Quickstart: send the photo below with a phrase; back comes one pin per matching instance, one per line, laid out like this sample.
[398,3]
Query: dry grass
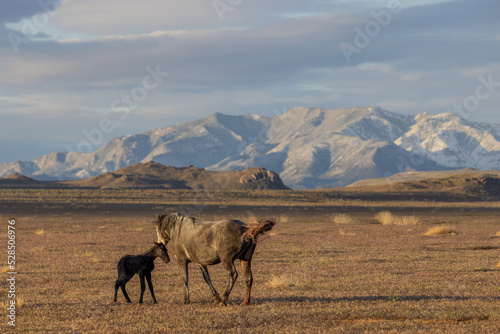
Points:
[387,218]
[40,231]
[497,234]
[20,303]
[306,278]
[342,218]
[441,230]
[343,232]
[280,282]
[284,219]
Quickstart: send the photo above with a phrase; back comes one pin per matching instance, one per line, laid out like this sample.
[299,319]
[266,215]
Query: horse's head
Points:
[161,252]
[160,230]
[166,224]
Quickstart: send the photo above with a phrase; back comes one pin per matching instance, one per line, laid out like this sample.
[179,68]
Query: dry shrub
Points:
[387,218]
[19,302]
[408,220]
[40,231]
[440,230]
[279,282]
[283,219]
[342,218]
[286,281]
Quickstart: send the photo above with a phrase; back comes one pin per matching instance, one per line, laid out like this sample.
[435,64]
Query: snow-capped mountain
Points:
[308,147]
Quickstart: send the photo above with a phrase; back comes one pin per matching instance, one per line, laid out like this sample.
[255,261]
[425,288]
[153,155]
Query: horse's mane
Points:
[166,222]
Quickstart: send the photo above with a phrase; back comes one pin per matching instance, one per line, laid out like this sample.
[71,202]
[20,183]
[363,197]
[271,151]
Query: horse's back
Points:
[205,242]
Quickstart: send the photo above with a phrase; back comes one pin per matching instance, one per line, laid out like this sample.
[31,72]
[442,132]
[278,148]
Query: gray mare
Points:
[211,242]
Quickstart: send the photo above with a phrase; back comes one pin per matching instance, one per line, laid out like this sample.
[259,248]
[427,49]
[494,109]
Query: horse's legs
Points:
[183,264]
[233,275]
[143,286]
[247,273]
[206,276]
[150,284]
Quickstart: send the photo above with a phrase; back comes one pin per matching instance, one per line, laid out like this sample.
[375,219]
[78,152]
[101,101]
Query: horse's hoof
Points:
[245,303]
[129,301]
[222,304]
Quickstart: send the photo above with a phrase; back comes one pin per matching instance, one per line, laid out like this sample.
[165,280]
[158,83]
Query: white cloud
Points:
[263,55]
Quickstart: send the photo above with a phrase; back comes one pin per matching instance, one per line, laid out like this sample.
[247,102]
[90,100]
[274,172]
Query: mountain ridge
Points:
[308,147]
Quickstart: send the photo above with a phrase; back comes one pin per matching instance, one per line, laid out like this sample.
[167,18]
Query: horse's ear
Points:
[158,217]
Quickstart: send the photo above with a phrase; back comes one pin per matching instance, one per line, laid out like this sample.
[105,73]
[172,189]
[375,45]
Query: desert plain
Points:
[331,264]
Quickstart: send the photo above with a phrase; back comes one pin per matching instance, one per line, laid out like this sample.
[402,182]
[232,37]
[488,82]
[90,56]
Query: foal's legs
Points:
[206,276]
[120,283]
[143,286]
[233,275]
[117,286]
[247,273]
[150,284]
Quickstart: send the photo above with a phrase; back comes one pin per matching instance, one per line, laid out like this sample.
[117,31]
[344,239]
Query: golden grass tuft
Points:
[343,232]
[387,218]
[20,302]
[283,219]
[342,218]
[40,231]
[497,234]
[440,230]
[498,264]
[280,282]
[285,281]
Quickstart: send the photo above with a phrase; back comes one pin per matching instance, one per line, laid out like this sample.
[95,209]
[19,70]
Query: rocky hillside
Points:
[154,175]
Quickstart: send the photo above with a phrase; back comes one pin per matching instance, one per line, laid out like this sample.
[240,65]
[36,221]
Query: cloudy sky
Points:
[70,67]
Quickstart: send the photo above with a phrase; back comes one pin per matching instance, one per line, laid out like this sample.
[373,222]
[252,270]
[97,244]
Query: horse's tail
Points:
[265,225]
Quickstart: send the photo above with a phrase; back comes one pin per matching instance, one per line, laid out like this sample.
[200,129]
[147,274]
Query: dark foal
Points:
[142,264]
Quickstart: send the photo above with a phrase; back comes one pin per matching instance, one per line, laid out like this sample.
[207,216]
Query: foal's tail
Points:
[265,225]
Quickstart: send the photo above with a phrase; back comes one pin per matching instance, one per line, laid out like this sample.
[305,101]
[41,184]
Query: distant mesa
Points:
[156,175]
[18,180]
[153,175]
[20,177]
[466,184]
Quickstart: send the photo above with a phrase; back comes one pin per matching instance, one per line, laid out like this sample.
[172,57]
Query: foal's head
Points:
[161,251]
